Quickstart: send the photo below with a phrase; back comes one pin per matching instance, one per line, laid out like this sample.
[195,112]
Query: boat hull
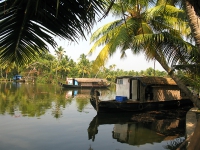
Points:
[128,106]
[78,86]
[19,80]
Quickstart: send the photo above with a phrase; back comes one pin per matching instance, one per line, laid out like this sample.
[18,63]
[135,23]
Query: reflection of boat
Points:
[142,94]
[85,83]
[17,84]
[71,93]
[81,93]
[158,127]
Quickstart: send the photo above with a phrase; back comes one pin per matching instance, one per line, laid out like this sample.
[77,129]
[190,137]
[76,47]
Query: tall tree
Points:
[84,65]
[60,53]
[159,32]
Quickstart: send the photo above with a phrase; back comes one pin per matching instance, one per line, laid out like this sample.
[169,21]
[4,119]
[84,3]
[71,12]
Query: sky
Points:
[131,62]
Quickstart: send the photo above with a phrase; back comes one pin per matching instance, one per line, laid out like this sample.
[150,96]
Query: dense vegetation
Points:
[48,68]
[168,32]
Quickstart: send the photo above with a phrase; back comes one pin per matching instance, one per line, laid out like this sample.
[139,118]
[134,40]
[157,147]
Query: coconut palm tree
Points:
[159,32]
[60,53]
[84,65]
[27,26]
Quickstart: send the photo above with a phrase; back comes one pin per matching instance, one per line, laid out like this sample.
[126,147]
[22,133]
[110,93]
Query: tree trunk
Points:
[181,85]
[194,141]
[195,28]
[193,97]
[193,21]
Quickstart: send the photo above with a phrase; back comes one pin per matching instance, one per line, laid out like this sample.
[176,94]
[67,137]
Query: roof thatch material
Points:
[157,81]
[90,80]
[152,80]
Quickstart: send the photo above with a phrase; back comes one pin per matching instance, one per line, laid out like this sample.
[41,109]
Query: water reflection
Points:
[142,128]
[32,100]
[63,117]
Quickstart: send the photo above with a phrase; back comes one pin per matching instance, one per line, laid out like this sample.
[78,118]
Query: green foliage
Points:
[47,69]
[32,100]
[27,26]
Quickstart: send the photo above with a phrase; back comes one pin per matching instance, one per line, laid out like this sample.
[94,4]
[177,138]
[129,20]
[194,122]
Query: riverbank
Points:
[193,129]
[6,80]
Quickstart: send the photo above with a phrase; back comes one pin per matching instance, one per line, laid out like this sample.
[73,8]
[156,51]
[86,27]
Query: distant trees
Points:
[50,69]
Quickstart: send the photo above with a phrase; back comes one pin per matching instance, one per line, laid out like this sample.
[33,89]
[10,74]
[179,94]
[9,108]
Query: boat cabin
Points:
[17,77]
[87,82]
[148,89]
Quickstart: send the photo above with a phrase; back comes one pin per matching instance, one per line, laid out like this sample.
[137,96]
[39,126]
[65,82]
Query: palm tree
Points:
[158,32]
[27,26]
[60,53]
[84,65]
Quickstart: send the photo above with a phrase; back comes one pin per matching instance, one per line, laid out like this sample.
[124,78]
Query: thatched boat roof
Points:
[152,80]
[157,81]
[91,80]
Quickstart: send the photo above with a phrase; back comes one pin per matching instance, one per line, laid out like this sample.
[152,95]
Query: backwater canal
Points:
[46,117]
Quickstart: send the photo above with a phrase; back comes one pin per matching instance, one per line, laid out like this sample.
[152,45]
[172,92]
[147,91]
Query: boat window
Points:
[119,81]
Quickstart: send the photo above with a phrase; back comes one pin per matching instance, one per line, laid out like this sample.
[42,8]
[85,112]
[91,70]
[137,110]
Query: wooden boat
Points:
[18,78]
[135,94]
[85,83]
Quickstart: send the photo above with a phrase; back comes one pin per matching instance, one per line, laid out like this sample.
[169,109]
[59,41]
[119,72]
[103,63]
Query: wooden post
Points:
[97,104]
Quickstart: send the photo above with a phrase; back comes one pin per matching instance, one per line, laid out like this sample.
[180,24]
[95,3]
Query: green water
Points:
[47,117]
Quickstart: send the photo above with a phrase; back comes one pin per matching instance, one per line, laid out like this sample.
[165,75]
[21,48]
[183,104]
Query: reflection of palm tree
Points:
[30,101]
[172,145]
[90,148]
[57,112]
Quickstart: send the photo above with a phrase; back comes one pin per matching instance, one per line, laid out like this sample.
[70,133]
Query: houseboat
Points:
[85,83]
[142,94]
[18,78]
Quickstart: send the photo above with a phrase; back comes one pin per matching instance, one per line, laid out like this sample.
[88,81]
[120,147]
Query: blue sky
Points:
[131,62]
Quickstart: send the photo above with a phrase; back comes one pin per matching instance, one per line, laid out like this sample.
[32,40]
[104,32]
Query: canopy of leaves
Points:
[157,31]
[26,26]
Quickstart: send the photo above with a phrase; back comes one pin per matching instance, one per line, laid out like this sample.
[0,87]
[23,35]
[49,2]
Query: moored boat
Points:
[18,78]
[85,83]
[135,94]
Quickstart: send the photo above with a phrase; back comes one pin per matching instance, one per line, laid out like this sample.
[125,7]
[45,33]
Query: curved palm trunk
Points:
[194,25]
[194,21]
[181,85]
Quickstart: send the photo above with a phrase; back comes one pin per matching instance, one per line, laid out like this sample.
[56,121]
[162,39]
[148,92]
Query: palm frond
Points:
[105,29]
[28,23]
